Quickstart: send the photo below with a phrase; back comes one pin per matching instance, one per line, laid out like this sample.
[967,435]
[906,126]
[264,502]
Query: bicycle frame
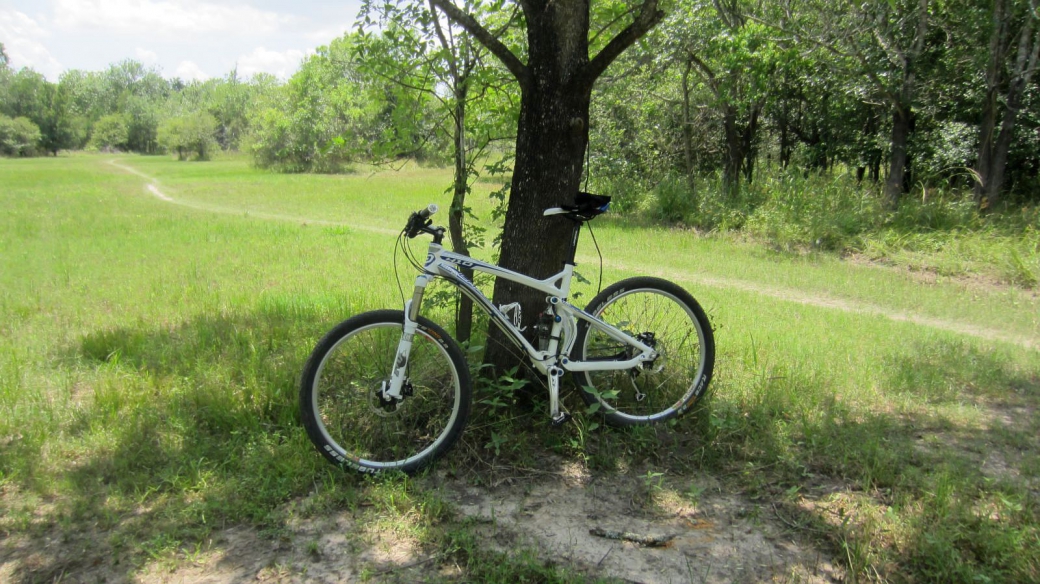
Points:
[554,360]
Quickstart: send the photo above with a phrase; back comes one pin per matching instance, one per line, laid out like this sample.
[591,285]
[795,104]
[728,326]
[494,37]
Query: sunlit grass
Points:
[150,355]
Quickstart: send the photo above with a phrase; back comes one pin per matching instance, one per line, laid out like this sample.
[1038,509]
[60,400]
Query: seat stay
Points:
[646,353]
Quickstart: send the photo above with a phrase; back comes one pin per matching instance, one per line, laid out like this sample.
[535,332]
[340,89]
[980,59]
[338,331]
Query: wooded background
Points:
[919,96]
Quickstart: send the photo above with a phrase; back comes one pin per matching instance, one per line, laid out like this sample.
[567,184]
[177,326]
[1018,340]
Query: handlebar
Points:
[419,222]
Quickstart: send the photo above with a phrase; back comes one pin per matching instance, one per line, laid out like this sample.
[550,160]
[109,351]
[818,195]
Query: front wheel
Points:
[663,316]
[341,394]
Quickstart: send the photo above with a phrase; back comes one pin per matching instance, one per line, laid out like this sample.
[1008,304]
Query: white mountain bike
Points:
[389,389]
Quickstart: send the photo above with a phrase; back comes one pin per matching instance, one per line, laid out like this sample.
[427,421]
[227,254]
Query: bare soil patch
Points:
[713,537]
[716,538]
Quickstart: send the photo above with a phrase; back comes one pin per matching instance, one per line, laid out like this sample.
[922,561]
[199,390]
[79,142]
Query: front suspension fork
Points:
[393,389]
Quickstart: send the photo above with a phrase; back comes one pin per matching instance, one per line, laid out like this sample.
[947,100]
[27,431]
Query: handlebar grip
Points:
[430,210]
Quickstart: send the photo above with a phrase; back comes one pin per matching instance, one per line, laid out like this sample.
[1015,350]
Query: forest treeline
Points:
[901,96]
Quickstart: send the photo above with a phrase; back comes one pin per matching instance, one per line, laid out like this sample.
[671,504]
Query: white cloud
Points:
[167,17]
[145,56]
[189,71]
[281,64]
[22,37]
[328,34]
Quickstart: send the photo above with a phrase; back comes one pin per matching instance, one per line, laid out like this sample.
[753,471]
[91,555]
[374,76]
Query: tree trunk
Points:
[993,153]
[750,144]
[988,122]
[552,135]
[901,119]
[734,151]
[457,213]
[902,112]
[688,128]
[740,138]
[1007,127]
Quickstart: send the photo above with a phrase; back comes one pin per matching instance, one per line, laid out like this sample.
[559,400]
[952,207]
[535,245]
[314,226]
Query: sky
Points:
[189,39]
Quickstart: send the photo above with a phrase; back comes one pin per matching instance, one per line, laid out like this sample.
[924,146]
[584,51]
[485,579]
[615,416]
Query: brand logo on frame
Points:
[459,262]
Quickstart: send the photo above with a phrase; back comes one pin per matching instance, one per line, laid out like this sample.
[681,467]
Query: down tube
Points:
[474,294]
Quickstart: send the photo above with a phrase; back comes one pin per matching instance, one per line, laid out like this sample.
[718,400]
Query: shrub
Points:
[626,194]
[674,200]
[824,212]
[192,134]
[110,133]
[18,137]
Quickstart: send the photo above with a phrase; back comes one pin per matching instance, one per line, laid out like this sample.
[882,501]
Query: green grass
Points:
[150,354]
[936,233]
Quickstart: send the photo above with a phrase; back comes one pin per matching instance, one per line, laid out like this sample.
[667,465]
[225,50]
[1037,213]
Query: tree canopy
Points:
[905,94]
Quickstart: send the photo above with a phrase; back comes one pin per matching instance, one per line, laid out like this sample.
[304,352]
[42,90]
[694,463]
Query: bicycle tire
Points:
[681,334]
[339,395]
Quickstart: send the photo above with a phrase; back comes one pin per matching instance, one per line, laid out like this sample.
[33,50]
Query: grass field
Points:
[150,351]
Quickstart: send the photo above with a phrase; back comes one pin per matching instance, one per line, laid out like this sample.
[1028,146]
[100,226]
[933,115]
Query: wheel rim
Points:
[349,415]
[670,380]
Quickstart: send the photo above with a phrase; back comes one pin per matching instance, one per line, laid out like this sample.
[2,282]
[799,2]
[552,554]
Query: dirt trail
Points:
[783,294]
[153,187]
[829,302]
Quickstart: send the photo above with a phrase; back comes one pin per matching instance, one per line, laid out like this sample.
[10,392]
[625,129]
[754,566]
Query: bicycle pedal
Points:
[562,419]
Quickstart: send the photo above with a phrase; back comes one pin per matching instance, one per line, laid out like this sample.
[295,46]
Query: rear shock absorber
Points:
[543,328]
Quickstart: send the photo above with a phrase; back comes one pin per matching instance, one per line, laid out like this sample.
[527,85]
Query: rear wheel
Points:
[341,394]
[665,317]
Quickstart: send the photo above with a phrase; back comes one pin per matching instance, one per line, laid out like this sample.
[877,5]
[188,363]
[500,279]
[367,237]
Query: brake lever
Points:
[416,223]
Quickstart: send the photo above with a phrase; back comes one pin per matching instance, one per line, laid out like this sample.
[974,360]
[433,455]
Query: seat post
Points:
[573,251]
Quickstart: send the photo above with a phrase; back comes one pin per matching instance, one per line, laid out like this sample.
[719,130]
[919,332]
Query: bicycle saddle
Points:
[585,207]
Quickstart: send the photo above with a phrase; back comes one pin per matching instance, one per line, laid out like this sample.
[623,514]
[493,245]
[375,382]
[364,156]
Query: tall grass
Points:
[938,231]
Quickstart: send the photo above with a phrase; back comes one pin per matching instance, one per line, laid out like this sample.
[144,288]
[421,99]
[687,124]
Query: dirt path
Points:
[832,303]
[782,294]
[153,187]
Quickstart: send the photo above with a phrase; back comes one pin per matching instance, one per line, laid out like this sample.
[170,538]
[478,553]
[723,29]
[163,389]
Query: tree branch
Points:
[448,47]
[922,31]
[602,30]
[490,41]
[705,72]
[856,54]
[648,17]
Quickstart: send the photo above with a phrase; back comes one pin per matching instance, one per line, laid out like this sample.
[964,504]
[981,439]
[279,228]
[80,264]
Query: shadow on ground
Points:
[182,432]
[171,433]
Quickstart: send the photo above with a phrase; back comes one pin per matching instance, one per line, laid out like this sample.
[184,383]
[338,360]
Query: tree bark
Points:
[902,112]
[993,152]
[988,121]
[741,136]
[734,153]
[552,135]
[750,143]
[894,184]
[457,213]
[1016,93]
[460,79]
